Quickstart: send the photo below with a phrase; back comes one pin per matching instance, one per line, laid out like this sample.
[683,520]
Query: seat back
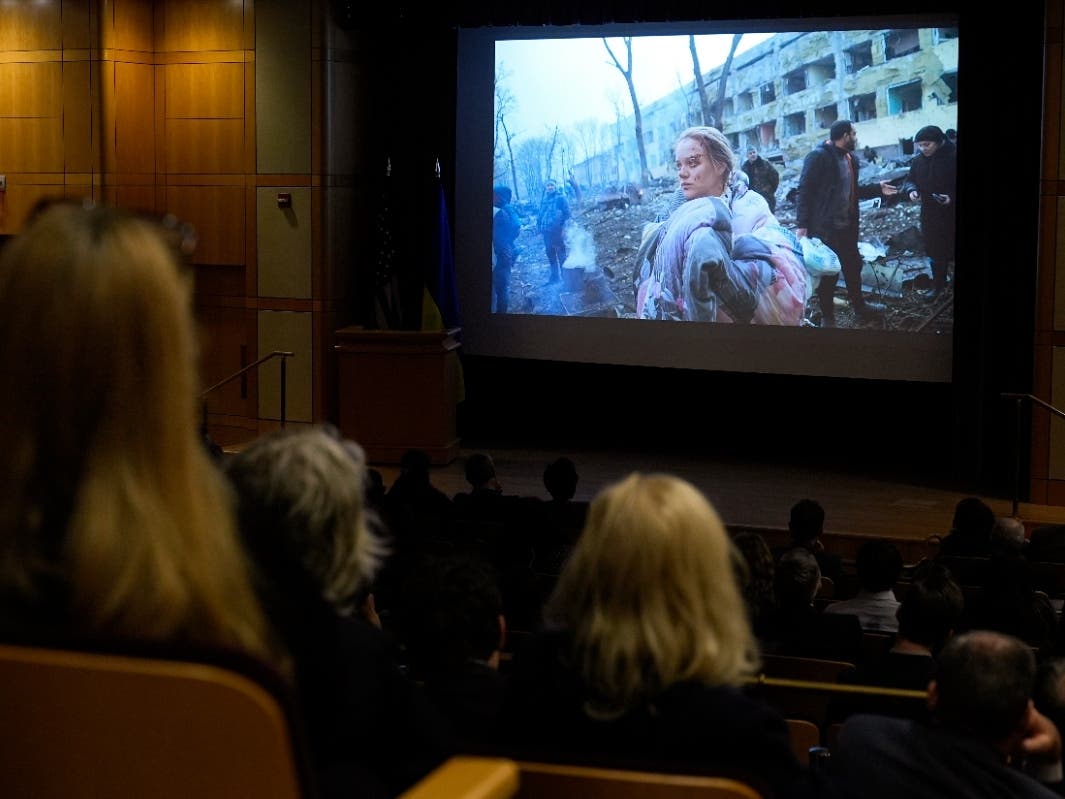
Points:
[800,701]
[554,781]
[803,735]
[78,724]
[464,777]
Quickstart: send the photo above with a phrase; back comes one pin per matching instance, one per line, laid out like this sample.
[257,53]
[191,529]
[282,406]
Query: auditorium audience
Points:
[928,615]
[115,526]
[879,565]
[561,518]
[303,519]
[985,734]
[647,648]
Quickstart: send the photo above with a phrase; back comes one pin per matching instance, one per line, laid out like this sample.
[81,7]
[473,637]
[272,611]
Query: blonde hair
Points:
[715,146]
[650,595]
[301,505]
[108,490]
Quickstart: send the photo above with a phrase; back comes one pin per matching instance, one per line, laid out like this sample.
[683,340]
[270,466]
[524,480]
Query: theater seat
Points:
[78,725]
[553,781]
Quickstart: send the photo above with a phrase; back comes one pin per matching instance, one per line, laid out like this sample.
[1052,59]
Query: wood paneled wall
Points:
[152,105]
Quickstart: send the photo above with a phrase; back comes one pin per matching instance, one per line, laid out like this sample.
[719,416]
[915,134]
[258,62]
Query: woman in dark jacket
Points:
[648,648]
[932,180]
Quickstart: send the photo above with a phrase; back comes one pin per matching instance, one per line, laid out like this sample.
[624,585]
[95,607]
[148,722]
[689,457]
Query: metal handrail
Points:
[282,354]
[1017,444]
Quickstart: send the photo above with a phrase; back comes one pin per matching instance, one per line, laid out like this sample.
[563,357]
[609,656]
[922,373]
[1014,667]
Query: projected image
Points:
[786,179]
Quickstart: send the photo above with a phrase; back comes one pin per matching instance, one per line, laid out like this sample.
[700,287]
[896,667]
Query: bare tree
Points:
[700,84]
[504,104]
[626,71]
[719,106]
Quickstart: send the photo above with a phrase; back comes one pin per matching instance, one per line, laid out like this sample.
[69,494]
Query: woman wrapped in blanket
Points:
[721,255]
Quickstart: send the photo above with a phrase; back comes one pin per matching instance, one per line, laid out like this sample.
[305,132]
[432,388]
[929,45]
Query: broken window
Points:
[729,108]
[795,81]
[951,80]
[904,97]
[863,107]
[768,93]
[794,124]
[826,115]
[744,101]
[900,42]
[821,72]
[943,34]
[733,140]
[858,57]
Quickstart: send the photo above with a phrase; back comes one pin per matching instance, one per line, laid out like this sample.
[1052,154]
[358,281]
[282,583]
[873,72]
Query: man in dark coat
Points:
[828,209]
[932,180]
[984,725]
[762,176]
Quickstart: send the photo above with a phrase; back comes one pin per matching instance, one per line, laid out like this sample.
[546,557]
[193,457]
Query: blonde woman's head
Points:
[108,488]
[650,594]
[704,162]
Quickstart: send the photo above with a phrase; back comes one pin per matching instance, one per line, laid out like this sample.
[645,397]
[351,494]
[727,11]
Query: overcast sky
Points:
[564,81]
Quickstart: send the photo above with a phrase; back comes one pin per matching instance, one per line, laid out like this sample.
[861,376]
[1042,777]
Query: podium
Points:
[398,391]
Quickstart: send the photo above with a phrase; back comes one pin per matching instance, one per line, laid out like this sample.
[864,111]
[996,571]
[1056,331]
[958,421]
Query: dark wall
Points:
[961,435]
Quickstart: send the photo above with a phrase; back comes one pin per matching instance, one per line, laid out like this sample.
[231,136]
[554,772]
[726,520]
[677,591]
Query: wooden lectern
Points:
[398,391]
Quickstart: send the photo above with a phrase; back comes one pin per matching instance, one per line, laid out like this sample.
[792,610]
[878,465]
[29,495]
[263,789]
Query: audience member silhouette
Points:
[799,629]
[970,530]
[303,519]
[879,565]
[647,648]
[984,720]
[806,524]
[1047,544]
[757,577]
[115,526]
[452,625]
[563,517]
[1007,537]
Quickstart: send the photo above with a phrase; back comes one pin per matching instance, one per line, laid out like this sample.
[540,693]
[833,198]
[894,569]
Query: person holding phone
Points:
[931,182]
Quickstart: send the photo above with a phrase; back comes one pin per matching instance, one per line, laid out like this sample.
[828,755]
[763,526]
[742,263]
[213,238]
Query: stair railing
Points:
[1018,399]
[282,354]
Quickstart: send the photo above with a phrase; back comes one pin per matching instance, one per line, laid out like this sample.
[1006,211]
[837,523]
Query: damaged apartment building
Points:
[783,94]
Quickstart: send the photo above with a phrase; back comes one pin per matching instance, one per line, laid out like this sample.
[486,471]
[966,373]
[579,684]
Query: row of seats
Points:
[81,724]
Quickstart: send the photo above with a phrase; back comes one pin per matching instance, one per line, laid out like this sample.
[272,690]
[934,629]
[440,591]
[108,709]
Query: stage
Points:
[749,494]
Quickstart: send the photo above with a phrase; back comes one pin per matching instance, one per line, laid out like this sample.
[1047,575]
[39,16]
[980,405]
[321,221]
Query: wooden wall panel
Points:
[31,26]
[223,338]
[204,146]
[134,118]
[32,145]
[214,91]
[199,25]
[31,89]
[218,213]
[80,121]
[133,26]
[79,24]
[19,199]
[138,198]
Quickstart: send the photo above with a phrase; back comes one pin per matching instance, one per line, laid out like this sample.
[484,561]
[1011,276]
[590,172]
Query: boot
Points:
[866,309]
